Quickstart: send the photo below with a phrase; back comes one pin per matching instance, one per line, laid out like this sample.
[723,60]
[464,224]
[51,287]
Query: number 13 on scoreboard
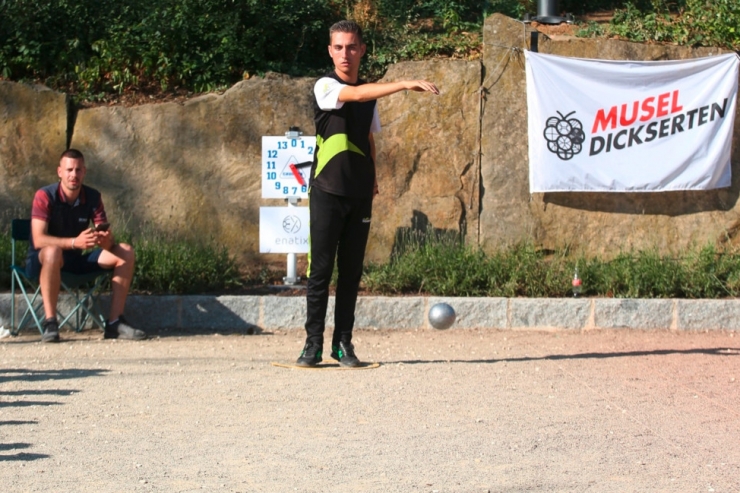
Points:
[282,173]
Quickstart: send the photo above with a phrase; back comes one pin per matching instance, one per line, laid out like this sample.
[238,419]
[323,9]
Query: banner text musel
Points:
[659,129]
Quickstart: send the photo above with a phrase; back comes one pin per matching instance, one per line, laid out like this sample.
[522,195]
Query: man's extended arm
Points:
[375,90]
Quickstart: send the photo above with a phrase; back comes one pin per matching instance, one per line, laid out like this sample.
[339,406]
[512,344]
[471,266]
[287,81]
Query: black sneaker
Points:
[121,330]
[51,330]
[345,354]
[310,356]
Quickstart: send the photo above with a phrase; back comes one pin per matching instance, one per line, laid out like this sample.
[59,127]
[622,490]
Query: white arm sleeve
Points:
[326,91]
[375,125]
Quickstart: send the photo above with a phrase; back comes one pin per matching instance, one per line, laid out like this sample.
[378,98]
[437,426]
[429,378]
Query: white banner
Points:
[627,126]
[284,229]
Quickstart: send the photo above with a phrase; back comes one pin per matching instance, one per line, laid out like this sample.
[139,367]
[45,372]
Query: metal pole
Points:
[292,277]
[547,8]
[547,13]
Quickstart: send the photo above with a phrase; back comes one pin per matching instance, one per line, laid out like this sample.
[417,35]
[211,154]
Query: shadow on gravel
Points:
[23,456]
[248,331]
[25,375]
[42,375]
[29,404]
[39,392]
[13,446]
[628,354]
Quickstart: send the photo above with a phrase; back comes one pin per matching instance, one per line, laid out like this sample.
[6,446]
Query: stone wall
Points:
[427,156]
[33,133]
[192,168]
[195,168]
[455,162]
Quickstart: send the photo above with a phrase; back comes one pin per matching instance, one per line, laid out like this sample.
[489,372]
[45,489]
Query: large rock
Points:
[427,156]
[193,169]
[33,133]
[591,222]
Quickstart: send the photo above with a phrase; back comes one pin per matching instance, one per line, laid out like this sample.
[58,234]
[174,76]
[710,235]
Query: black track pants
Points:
[339,229]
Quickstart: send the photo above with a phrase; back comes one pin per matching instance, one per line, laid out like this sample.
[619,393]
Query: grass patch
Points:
[447,267]
[5,258]
[165,264]
[172,265]
[442,265]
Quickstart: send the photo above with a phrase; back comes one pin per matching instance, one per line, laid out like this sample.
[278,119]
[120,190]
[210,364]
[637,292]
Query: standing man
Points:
[341,190]
[60,230]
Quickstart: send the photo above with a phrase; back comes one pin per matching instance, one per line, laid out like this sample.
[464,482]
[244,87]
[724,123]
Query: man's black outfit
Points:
[341,195]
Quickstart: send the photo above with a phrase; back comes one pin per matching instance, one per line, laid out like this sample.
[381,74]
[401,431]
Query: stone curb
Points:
[379,312]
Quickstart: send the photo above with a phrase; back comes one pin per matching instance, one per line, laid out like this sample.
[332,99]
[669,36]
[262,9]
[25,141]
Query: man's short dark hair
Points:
[72,154]
[346,27]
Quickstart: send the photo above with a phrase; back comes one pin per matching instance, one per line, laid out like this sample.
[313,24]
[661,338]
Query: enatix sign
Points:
[625,126]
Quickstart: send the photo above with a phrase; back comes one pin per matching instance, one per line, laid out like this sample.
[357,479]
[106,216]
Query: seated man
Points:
[60,231]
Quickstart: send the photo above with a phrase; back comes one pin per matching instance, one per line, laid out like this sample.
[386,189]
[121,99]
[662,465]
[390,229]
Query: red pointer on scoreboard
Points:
[297,174]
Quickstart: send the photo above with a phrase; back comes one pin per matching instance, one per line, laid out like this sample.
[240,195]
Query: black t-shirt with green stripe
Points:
[342,163]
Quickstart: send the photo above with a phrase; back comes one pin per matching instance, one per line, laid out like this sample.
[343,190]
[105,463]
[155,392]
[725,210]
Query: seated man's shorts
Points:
[74,263]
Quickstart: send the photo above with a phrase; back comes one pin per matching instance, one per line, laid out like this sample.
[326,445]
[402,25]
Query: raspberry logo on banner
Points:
[564,136]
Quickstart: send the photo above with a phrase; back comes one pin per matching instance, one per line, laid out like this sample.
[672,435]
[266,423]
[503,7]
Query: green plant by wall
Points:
[440,265]
[5,258]
[164,264]
[103,46]
[686,22]
[95,48]
[450,268]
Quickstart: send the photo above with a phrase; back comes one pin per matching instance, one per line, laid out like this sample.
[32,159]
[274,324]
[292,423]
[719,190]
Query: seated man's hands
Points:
[104,239]
[91,239]
[86,239]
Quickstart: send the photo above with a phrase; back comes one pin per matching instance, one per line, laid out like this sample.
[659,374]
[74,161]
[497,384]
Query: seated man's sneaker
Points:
[51,330]
[121,330]
[345,354]
[310,356]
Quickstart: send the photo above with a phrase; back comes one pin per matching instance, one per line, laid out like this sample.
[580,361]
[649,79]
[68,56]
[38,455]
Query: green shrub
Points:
[94,48]
[99,47]
[166,264]
[5,258]
[440,264]
[686,22]
[103,46]
[450,268]
[655,24]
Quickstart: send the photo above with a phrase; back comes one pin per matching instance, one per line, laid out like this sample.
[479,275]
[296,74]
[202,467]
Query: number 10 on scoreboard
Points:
[286,166]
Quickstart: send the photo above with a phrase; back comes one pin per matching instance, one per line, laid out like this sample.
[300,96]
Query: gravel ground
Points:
[454,411]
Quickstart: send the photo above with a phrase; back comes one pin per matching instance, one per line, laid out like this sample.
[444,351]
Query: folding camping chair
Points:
[84,291]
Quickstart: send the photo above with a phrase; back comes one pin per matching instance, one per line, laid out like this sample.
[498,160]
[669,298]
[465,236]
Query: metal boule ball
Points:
[441,316]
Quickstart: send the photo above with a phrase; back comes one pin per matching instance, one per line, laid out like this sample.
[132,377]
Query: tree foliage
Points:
[112,46]
[100,47]
[685,22]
